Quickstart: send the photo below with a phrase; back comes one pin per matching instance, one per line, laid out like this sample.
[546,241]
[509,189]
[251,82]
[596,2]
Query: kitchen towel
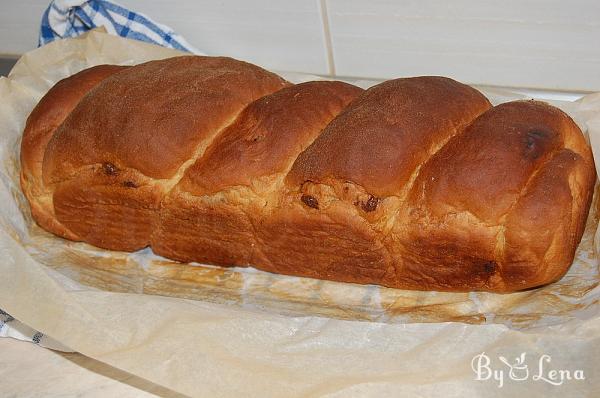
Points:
[70,18]
[10,327]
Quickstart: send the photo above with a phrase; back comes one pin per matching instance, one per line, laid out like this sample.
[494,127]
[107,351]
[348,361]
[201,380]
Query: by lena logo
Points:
[518,370]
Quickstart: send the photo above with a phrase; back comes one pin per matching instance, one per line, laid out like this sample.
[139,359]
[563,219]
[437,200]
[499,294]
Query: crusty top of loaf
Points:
[493,159]
[170,106]
[380,138]
[268,135]
[52,110]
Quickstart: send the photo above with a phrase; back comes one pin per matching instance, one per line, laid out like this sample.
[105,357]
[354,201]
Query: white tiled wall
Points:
[543,44]
[549,44]
[20,24]
[280,34]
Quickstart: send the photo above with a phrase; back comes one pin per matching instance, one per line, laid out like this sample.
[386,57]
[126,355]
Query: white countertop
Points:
[28,370]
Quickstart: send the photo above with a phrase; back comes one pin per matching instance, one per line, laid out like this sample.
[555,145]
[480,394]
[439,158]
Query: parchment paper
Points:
[210,331]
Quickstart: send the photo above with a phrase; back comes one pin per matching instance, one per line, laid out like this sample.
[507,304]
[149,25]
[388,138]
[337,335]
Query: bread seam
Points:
[501,238]
[458,130]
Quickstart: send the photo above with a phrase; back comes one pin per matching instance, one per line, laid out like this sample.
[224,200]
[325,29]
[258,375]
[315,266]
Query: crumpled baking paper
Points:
[210,331]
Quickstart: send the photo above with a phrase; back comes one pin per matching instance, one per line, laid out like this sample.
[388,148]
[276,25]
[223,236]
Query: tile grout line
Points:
[327,36]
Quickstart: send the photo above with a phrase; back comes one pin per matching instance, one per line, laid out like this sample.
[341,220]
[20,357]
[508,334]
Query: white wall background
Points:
[550,44]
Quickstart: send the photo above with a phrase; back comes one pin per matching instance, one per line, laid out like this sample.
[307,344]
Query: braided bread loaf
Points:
[415,183]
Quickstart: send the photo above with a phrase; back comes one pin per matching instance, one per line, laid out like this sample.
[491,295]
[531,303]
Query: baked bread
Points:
[415,183]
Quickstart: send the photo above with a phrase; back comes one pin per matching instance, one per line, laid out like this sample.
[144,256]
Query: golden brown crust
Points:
[415,183]
[171,106]
[335,244]
[268,135]
[381,138]
[484,170]
[538,248]
[213,217]
[471,198]
[113,210]
[207,231]
[41,124]
[110,169]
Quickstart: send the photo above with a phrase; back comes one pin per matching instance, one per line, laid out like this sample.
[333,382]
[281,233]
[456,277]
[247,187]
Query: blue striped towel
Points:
[70,18]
